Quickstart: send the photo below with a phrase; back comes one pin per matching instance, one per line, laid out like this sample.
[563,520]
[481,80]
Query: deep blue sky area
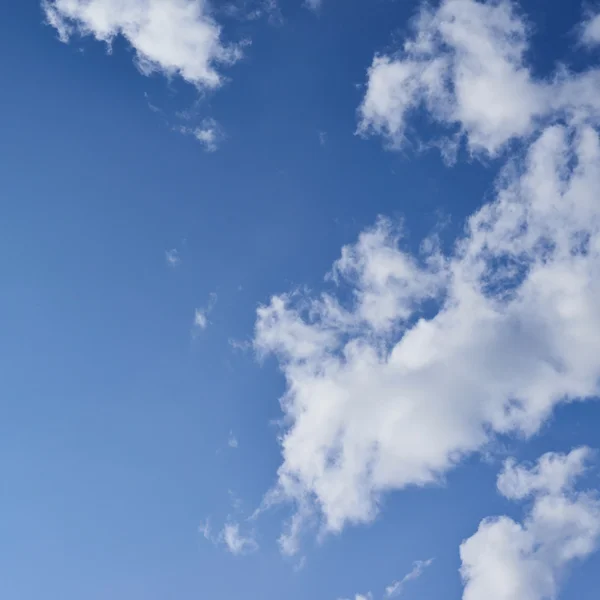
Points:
[115,412]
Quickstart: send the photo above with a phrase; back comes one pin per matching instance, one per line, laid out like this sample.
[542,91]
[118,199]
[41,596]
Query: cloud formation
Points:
[395,589]
[465,65]
[313,4]
[591,31]
[380,396]
[172,257]
[413,362]
[173,37]
[504,560]
[201,314]
[231,537]
[235,542]
[232,441]
[209,134]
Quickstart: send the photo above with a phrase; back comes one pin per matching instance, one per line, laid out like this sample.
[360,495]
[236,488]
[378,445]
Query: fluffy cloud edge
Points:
[179,37]
[505,559]
[379,394]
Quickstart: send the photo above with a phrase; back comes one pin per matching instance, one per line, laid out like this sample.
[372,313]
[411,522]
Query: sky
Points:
[300,299]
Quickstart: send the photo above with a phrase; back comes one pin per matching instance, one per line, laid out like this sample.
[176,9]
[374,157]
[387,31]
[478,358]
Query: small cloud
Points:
[235,542]
[322,137]
[204,529]
[244,10]
[590,35]
[242,346]
[172,257]
[396,588]
[232,441]
[201,314]
[200,319]
[208,133]
[230,536]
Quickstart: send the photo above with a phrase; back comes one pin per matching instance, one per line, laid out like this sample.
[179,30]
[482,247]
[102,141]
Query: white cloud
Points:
[173,37]
[205,530]
[322,137]
[465,64]
[313,4]
[367,596]
[396,588]
[172,257]
[231,537]
[415,361]
[208,133]
[232,441]
[252,10]
[201,314]
[380,396]
[552,474]
[504,560]
[200,319]
[591,31]
[235,542]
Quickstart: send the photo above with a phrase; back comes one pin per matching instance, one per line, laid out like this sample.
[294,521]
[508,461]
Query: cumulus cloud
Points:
[396,588]
[230,537]
[465,65]
[380,396]
[173,37]
[504,559]
[591,31]
[412,362]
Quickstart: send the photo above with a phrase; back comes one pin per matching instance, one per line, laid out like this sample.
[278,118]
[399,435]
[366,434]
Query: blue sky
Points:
[262,338]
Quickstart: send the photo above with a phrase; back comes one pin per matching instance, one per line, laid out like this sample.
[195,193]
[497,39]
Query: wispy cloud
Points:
[396,588]
[231,537]
[172,257]
[237,543]
[201,314]
[232,441]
